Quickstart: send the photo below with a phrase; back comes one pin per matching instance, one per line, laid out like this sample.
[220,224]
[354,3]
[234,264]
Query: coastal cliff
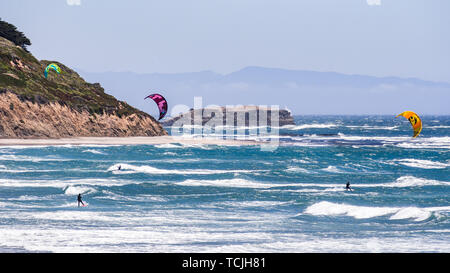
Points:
[61,105]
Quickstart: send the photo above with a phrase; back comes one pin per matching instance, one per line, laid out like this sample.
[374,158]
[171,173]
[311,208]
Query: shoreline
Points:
[122,141]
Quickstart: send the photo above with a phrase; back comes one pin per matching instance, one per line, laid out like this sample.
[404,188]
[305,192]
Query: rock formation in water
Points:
[236,116]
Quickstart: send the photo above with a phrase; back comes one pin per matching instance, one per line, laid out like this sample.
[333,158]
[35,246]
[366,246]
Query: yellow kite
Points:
[415,121]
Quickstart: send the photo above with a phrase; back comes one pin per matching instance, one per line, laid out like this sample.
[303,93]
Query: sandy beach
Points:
[123,141]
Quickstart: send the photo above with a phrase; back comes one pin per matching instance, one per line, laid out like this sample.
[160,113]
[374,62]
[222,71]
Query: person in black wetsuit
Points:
[347,187]
[79,200]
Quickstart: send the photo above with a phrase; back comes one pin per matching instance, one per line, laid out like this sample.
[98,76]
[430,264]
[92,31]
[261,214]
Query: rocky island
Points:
[234,116]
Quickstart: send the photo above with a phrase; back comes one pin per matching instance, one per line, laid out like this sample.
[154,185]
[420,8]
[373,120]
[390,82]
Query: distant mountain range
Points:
[302,92]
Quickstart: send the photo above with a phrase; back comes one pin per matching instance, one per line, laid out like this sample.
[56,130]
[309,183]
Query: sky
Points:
[403,38]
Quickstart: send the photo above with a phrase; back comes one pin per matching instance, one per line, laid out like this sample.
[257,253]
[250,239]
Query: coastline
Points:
[155,140]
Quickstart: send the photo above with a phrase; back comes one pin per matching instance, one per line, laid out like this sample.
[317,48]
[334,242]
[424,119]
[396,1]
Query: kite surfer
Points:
[79,200]
[347,187]
[120,167]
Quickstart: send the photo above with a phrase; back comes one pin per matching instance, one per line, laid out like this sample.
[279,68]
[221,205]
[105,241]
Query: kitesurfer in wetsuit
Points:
[79,200]
[347,186]
[118,168]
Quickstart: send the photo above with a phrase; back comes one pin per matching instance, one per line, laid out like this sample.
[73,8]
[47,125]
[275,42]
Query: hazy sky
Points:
[406,38]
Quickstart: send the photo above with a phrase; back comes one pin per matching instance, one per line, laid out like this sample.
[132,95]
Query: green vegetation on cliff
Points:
[33,105]
[21,73]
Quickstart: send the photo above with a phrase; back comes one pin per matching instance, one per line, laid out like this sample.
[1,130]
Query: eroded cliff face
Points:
[61,105]
[25,119]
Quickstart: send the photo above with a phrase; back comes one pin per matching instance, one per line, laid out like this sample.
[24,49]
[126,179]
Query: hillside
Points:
[62,105]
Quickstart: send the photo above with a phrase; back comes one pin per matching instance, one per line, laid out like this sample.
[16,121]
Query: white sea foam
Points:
[234,183]
[13,157]
[411,181]
[24,146]
[244,204]
[92,151]
[325,208]
[297,170]
[402,142]
[309,126]
[128,169]
[423,164]
[182,239]
[185,145]
[332,169]
[368,127]
[27,171]
[439,127]
[167,146]
[300,161]
[418,214]
[426,143]
[63,184]
[75,190]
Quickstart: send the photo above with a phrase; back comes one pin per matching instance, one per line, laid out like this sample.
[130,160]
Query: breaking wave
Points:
[423,164]
[325,208]
[129,169]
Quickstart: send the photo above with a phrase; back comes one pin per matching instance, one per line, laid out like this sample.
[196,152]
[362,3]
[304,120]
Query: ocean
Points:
[240,198]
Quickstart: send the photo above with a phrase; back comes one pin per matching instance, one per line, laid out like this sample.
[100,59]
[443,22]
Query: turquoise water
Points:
[212,198]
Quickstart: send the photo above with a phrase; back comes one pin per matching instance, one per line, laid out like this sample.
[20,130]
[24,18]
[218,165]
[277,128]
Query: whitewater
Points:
[236,198]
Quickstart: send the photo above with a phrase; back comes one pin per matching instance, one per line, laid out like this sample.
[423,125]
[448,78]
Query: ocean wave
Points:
[63,184]
[368,127]
[355,141]
[28,171]
[401,182]
[297,170]
[24,146]
[430,143]
[234,183]
[182,145]
[304,161]
[244,204]
[75,190]
[110,195]
[325,208]
[13,157]
[167,146]
[129,169]
[94,152]
[423,164]
[411,181]
[309,126]
[439,127]
[333,169]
